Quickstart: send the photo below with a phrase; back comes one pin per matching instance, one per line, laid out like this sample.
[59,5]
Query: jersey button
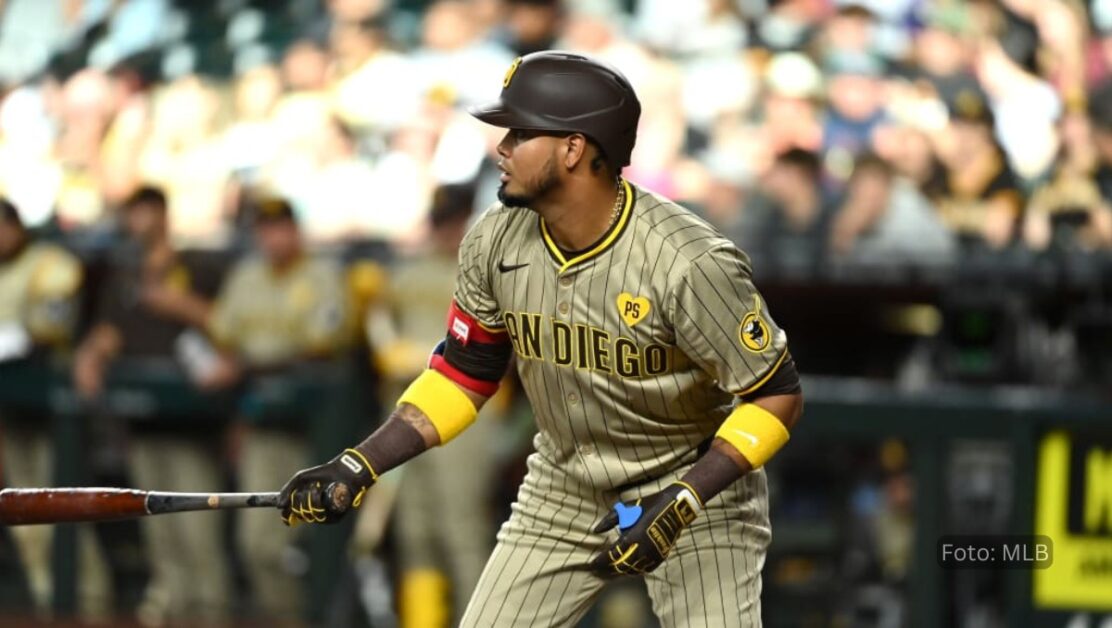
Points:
[587,449]
[563,308]
[573,398]
[565,282]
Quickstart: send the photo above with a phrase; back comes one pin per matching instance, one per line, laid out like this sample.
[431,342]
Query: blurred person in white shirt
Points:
[454,54]
[125,136]
[29,173]
[331,194]
[596,27]
[252,139]
[693,28]
[186,155]
[1025,107]
[1068,211]
[374,88]
[86,111]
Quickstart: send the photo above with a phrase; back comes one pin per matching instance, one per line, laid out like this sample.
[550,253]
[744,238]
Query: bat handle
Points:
[337,498]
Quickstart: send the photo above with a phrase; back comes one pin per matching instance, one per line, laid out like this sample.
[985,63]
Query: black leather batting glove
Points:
[324,493]
[649,529]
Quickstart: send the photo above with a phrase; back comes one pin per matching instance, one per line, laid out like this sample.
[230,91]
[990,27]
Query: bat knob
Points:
[337,498]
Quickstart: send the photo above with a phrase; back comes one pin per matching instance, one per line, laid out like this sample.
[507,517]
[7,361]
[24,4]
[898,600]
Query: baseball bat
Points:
[27,506]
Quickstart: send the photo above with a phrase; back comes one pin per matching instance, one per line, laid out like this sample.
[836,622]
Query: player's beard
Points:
[547,180]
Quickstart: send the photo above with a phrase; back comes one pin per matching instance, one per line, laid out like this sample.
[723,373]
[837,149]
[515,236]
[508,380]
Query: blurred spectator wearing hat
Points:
[943,50]
[277,310]
[885,219]
[443,539]
[39,284]
[850,29]
[790,106]
[789,24]
[977,195]
[855,109]
[1071,211]
[146,304]
[532,25]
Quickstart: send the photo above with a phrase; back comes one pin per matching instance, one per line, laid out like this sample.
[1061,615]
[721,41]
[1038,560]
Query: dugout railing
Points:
[839,411]
[324,398]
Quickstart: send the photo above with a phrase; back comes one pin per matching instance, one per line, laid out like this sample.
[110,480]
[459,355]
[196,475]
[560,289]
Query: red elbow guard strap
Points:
[473,356]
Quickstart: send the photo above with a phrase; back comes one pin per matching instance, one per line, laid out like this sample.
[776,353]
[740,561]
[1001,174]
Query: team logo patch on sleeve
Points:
[753,332]
[633,309]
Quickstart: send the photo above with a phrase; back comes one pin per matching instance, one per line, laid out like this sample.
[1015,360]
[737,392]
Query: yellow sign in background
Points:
[1074,508]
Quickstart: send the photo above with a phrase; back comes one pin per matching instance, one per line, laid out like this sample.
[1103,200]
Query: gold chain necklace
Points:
[619,201]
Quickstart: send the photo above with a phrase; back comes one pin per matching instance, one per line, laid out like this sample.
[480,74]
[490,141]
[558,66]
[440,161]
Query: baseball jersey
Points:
[633,350]
[37,291]
[145,332]
[410,316]
[271,319]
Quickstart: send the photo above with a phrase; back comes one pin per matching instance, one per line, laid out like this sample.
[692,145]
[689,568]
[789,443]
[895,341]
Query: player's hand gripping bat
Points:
[25,506]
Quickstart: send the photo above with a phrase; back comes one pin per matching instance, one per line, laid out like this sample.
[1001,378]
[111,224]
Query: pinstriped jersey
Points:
[631,351]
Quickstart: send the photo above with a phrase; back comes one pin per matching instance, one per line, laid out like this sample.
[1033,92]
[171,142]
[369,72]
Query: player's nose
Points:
[505,145]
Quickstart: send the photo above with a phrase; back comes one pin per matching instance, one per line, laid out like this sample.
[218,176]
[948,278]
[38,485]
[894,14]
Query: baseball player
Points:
[146,301]
[278,308]
[39,286]
[659,380]
[443,525]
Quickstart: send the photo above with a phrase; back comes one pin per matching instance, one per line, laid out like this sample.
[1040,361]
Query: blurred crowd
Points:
[321,152]
[808,130]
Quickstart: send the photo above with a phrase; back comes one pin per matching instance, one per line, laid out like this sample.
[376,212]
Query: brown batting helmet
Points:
[564,91]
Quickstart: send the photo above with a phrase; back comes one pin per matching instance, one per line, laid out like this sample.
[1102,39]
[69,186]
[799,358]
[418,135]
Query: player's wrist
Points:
[712,473]
[681,489]
[354,468]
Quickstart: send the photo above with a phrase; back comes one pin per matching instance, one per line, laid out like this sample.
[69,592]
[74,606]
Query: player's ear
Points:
[575,150]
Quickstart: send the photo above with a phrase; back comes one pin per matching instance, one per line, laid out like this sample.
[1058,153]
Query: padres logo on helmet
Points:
[753,331]
[510,73]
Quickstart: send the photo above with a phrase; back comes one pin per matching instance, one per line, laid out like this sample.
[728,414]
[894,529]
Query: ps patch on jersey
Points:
[633,309]
[753,332]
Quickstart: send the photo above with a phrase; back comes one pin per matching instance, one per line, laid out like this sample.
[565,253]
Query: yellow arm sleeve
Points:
[447,407]
[755,432]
